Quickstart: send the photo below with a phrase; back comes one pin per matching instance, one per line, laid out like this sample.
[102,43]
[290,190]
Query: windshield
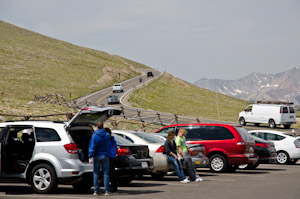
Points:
[149,138]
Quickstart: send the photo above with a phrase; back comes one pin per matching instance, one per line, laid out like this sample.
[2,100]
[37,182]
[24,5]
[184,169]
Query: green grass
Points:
[169,94]
[33,64]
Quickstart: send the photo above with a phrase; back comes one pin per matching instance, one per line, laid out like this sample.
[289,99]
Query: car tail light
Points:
[161,149]
[241,145]
[297,143]
[71,148]
[87,109]
[123,151]
[265,145]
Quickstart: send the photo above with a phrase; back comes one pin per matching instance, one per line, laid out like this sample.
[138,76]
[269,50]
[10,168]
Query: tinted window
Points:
[125,137]
[248,109]
[166,130]
[149,138]
[208,133]
[285,110]
[244,133]
[46,135]
[291,109]
[270,136]
[1,132]
[121,140]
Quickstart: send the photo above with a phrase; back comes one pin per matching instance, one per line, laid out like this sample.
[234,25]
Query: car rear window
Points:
[46,135]
[208,133]
[244,133]
[149,138]
[121,140]
[292,109]
[285,109]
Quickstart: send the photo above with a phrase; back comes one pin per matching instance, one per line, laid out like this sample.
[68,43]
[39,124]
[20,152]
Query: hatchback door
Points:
[92,115]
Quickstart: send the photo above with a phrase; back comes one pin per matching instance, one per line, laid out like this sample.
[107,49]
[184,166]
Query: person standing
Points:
[99,156]
[112,162]
[184,152]
[172,157]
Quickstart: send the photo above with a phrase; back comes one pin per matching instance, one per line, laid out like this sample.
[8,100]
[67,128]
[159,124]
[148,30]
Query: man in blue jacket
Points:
[99,150]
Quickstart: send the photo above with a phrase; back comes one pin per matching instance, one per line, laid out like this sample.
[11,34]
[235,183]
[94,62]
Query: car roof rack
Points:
[275,102]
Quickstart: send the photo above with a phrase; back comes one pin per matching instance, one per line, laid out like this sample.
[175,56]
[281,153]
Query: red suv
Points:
[226,146]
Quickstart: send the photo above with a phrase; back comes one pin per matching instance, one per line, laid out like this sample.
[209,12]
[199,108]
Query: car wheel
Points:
[158,176]
[243,166]
[217,163]
[84,185]
[282,157]
[272,124]
[242,121]
[287,126]
[43,178]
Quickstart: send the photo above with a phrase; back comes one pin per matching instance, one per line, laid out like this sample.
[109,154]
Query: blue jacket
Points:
[99,144]
[113,147]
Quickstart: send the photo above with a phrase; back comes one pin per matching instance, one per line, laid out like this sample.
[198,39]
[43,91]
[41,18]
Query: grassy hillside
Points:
[32,64]
[169,94]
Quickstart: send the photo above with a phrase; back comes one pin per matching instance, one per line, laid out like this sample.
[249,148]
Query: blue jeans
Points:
[177,167]
[101,161]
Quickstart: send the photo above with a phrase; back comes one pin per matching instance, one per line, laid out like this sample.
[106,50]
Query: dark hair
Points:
[170,135]
[100,125]
[111,137]
[108,131]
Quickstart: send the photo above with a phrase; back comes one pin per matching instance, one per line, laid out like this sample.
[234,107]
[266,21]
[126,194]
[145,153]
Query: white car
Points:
[287,146]
[156,150]
[117,88]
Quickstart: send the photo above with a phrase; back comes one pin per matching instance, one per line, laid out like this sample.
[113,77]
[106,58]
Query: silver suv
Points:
[47,153]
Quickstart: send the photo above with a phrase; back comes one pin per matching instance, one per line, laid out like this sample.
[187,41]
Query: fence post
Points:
[197,120]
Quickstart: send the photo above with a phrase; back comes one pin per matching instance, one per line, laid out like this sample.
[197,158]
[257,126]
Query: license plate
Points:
[197,162]
[144,164]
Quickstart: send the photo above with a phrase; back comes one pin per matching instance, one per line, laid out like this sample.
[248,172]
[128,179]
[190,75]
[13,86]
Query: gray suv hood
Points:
[91,115]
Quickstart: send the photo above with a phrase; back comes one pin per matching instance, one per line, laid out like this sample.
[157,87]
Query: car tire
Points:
[282,157]
[248,167]
[43,179]
[84,185]
[218,163]
[158,176]
[287,126]
[272,123]
[242,121]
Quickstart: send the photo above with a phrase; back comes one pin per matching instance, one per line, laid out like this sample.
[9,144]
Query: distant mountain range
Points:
[283,86]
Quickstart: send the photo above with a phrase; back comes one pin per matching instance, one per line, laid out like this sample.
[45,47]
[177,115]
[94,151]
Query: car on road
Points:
[150,74]
[47,153]
[156,148]
[226,146]
[117,88]
[113,99]
[266,152]
[197,152]
[287,146]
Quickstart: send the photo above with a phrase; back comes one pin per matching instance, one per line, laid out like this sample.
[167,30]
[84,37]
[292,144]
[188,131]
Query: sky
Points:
[191,39]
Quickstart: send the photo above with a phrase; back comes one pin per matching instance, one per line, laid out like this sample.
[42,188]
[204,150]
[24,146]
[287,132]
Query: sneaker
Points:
[106,193]
[198,179]
[96,193]
[185,181]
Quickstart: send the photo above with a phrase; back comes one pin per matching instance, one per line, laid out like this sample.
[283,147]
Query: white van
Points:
[269,113]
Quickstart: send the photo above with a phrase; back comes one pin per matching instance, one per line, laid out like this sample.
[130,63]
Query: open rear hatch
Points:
[92,115]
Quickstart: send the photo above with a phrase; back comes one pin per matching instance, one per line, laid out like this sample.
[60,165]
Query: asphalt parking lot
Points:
[267,181]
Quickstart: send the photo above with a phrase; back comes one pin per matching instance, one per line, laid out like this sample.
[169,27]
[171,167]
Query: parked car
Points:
[156,148]
[131,160]
[113,99]
[150,74]
[273,114]
[197,152]
[52,152]
[226,146]
[287,146]
[266,152]
[117,88]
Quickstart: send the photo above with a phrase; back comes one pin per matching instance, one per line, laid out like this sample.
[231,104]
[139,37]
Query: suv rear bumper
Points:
[240,159]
